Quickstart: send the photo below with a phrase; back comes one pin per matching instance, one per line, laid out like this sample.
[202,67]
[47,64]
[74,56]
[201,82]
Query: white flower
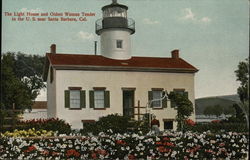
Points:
[195,140]
[137,148]
[233,152]
[141,137]
[157,139]
[64,146]
[70,145]
[173,154]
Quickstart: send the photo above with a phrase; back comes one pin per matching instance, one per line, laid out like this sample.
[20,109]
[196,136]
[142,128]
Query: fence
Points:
[9,118]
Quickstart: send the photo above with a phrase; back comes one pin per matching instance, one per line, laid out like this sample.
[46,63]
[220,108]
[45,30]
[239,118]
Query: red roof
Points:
[97,60]
[39,105]
[80,60]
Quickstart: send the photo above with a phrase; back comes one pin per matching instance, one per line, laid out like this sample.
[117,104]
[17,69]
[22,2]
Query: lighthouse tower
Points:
[115,30]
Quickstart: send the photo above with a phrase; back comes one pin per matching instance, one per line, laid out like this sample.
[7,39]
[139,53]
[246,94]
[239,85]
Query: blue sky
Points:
[212,35]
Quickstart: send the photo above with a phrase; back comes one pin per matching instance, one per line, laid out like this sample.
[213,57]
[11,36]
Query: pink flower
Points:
[190,122]
[102,152]
[131,157]
[215,121]
[72,152]
[121,142]
[222,144]
[94,156]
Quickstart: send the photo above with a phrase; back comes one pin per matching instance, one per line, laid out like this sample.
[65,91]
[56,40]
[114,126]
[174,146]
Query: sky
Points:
[211,35]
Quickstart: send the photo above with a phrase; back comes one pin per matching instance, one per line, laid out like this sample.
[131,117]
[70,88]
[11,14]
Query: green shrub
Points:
[218,127]
[52,124]
[116,123]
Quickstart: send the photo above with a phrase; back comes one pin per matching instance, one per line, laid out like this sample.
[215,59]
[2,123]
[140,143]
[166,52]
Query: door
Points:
[128,103]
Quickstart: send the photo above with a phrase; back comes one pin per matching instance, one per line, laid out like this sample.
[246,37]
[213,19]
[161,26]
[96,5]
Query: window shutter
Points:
[66,98]
[164,101]
[91,99]
[82,99]
[106,99]
[150,97]
[172,101]
[186,94]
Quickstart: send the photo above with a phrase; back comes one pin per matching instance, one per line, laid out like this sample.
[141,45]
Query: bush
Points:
[116,123]
[52,124]
[218,127]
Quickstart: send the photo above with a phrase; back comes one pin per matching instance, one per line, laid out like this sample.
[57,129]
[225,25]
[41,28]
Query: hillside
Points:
[224,101]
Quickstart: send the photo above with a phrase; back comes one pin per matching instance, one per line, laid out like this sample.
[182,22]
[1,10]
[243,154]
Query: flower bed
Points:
[28,133]
[172,145]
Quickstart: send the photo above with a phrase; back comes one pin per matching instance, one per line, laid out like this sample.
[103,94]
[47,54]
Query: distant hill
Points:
[224,101]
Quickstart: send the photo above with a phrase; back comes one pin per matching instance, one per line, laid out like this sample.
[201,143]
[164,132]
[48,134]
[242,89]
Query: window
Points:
[99,99]
[168,124]
[118,43]
[157,95]
[74,99]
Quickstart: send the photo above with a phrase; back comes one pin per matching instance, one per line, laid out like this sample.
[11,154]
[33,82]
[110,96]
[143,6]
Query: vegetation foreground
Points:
[171,145]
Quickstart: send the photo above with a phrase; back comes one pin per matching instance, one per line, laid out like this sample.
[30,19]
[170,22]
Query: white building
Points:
[38,111]
[84,87]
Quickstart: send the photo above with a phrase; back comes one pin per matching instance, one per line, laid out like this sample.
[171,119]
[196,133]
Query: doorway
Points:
[128,103]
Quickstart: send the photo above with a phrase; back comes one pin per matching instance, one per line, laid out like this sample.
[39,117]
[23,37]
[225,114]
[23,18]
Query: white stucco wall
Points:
[108,44]
[114,81]
[51,95]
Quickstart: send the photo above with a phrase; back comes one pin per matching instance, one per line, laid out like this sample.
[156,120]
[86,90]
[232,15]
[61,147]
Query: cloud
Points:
[149,21]
[190,16]
[85,35]
[205,19]
[37,10]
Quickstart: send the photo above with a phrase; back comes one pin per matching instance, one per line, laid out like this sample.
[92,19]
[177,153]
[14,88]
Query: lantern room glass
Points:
[115,12]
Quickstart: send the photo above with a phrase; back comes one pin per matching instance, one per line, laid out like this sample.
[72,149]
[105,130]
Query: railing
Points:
[99,25]
[9,121]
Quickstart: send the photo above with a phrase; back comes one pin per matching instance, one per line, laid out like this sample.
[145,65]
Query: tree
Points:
[29,69]
[21,80]
[208,110]
[242,74]
[216,110]
[184,107]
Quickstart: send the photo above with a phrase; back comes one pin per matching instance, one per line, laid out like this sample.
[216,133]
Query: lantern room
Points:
[115,29]
[115,16]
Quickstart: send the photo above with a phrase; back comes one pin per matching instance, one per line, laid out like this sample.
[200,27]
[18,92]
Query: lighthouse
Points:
[115,29]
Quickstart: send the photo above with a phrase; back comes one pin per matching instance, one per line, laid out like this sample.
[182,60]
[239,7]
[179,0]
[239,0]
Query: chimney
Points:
[53,49]
[175,54]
